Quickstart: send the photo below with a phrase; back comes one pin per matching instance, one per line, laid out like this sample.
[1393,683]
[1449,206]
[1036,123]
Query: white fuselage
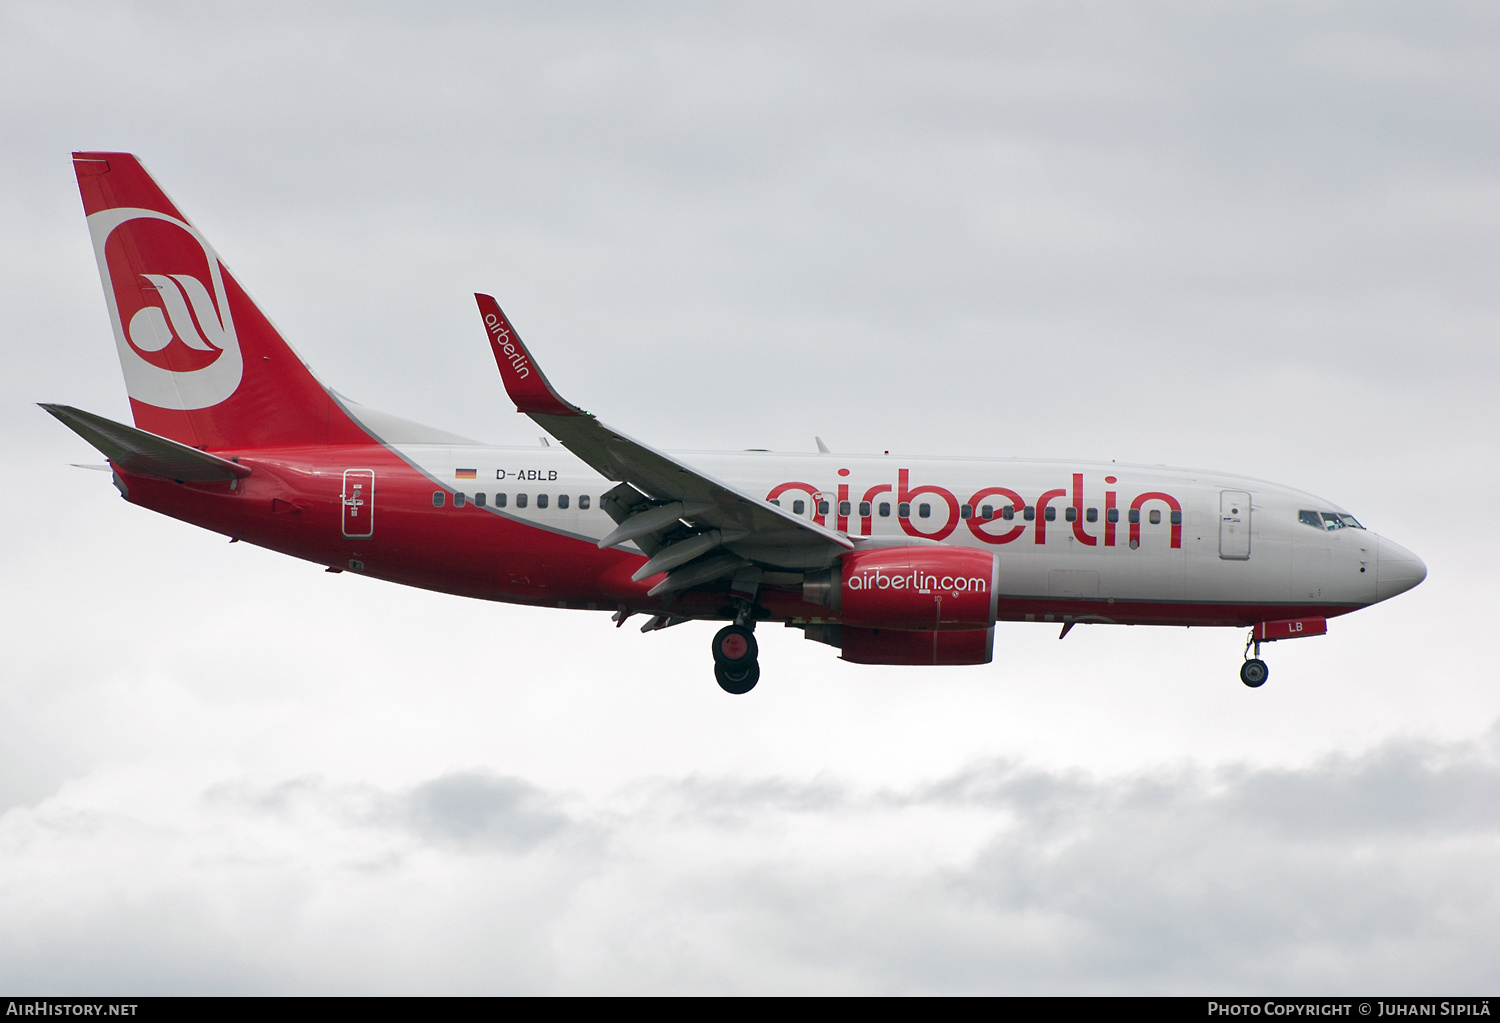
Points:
[1058,542]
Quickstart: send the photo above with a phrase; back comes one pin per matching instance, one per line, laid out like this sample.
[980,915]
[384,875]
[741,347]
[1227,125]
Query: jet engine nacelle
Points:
[929,589]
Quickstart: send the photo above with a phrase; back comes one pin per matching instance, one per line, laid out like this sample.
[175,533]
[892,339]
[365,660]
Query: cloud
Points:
[477,810]
[1354,873]
[470,811]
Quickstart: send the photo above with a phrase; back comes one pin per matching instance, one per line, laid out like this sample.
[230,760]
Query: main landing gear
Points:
[1254,671]
[735,659]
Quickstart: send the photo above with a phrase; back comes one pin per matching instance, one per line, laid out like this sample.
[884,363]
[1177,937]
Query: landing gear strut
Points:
[1254,671]
[735,659]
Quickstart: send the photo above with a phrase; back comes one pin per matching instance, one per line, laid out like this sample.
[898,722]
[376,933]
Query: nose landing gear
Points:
[1254,671]
[736,667]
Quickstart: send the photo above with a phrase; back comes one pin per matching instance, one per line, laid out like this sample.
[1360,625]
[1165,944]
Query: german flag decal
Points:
[465,474]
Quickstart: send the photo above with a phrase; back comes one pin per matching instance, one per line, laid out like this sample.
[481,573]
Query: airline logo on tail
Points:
[169,309]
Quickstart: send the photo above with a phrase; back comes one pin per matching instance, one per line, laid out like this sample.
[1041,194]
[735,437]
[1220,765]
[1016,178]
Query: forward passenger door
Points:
[1234,525]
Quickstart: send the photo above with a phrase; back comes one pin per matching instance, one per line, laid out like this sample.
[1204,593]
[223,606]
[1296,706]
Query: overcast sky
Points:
[1258,237]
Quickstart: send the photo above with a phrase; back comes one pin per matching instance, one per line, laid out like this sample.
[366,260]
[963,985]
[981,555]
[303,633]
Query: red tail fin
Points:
[203,365]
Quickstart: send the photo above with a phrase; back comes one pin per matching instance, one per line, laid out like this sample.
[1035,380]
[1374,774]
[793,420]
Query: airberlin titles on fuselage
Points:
[994,515]
[987,508]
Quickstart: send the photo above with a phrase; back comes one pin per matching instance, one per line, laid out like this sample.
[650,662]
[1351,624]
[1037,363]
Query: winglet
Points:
[524,381]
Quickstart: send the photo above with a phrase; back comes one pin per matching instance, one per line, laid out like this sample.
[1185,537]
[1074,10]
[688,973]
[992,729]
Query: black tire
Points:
[742,648]
[738,680]
[1254,673]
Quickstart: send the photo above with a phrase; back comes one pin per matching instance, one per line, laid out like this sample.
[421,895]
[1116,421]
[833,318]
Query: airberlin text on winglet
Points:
[524,380]
[500,337]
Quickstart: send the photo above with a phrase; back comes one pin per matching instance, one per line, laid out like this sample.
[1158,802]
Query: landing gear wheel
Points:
[737,680]
[734,647]
[1254,673]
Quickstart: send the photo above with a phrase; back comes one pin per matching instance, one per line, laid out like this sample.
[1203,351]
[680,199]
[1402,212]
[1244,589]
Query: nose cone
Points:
[1396,570]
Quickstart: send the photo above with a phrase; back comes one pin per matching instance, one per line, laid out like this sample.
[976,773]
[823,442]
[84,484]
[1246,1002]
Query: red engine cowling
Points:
[902,646]
[927,589]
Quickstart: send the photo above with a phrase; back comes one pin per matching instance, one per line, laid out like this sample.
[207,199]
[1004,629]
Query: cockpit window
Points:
[1328,520]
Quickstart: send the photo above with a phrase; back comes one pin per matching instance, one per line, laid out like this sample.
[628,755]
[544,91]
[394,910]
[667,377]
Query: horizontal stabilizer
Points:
[145,453]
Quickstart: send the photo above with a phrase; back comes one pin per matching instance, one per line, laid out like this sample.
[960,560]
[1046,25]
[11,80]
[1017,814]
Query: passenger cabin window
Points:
[864,509]
[1092,515]
[885,510]
[1156,516]
[1135,515]
[904,509]
[966,511]
[1029,514]
[583,502]
[1113,515]
[562,500]
[1071,514]
[479,500]
[1051,514]
[458,499]
[1177,518]
[499,500]
[1008,512]
[520,500]
[798,507]
[822,507]
[541,500]
[924,510]
[987,512]
[844,508]
[776,501]
[439,498]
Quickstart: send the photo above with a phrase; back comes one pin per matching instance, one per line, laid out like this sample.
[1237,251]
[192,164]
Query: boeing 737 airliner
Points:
[890,560]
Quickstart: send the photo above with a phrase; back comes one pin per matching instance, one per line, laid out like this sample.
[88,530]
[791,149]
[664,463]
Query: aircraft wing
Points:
[692,526]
